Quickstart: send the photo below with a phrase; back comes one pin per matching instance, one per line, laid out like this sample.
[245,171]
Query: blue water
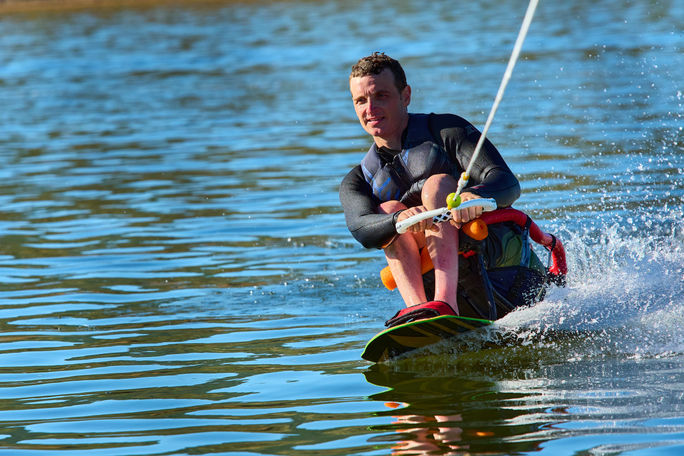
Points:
[176,276]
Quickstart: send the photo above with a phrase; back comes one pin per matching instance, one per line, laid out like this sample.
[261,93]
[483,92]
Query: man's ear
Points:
[406,96]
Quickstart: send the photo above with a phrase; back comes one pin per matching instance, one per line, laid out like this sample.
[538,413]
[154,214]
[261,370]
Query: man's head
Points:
[381,98]
[375,64]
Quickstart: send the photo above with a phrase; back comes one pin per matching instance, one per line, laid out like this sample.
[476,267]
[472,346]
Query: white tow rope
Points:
[463,180]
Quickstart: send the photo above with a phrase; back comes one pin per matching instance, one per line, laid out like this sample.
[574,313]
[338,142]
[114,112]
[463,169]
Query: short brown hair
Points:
[376,64]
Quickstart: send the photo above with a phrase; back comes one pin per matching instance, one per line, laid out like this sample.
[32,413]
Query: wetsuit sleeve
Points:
[490,177]
[371,229]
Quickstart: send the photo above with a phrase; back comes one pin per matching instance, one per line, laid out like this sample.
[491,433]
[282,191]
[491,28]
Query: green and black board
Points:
[410,336]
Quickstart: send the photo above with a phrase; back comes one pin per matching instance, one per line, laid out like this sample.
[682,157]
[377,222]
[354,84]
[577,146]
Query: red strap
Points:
[559,266]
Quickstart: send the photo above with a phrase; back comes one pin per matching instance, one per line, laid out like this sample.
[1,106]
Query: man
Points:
[412,166]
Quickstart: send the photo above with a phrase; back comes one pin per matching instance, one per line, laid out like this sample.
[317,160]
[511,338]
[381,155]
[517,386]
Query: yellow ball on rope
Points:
[453,200]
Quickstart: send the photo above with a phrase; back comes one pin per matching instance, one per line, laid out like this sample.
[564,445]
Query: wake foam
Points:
[625,292]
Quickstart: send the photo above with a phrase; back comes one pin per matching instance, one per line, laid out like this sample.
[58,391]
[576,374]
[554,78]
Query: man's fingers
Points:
[465,215]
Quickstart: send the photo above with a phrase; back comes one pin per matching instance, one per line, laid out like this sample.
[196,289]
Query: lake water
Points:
[176,276]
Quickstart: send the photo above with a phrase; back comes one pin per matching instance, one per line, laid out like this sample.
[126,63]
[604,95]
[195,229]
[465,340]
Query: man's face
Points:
[380,107]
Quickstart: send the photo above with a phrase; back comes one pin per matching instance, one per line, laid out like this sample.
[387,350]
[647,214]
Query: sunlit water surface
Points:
[176,276]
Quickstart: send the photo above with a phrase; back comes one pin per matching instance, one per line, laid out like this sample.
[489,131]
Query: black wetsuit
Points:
[490,178]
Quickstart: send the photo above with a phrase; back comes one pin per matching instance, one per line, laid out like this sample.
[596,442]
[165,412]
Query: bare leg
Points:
[403,258]
[442,244]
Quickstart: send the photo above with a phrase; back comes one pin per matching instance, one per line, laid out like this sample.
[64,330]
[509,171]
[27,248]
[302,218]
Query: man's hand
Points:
[462,216]
[420,226]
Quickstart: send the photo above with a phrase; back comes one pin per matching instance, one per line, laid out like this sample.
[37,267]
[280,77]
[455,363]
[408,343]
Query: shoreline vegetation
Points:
[29,6]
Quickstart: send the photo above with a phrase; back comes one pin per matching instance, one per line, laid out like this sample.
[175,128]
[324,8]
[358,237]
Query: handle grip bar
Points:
[444,214]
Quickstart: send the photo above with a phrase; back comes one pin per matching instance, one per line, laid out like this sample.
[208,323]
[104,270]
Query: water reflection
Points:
[451,414]
[512,401]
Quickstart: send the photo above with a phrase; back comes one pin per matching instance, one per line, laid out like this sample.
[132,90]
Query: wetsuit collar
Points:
[386,154]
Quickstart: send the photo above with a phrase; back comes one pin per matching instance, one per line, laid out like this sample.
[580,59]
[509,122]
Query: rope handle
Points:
[444,214]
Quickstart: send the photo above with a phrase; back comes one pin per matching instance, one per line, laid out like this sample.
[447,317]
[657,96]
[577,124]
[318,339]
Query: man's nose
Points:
[372,105]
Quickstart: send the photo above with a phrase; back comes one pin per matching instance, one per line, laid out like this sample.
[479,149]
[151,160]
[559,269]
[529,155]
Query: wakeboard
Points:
[407,337]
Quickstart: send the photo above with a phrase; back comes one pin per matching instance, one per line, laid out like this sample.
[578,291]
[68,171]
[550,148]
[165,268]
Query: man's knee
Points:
[390,207]
[439,184]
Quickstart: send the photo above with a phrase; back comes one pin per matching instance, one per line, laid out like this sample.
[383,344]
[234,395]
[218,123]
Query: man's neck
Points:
[393,143]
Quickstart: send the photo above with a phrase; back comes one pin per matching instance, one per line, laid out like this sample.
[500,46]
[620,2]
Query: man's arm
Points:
[371,229]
